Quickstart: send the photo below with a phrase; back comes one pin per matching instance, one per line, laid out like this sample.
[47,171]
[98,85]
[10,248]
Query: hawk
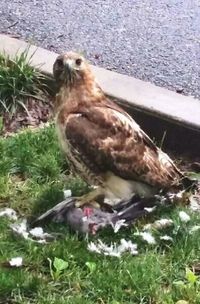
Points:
[102,142]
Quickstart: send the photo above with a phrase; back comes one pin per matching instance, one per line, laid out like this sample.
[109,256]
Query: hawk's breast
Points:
[75,159]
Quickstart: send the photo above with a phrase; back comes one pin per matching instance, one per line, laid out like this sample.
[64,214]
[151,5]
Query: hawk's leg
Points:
[94,198]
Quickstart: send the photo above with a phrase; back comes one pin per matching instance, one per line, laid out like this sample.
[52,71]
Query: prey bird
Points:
[88,219]
[103,143]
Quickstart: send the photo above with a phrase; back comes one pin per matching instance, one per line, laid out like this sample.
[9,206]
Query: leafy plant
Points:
[188,287]
[18,81]
[57,267]
[91,266]
[190,277]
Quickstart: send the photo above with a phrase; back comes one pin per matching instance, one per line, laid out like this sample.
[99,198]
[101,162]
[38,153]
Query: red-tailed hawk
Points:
[103,143]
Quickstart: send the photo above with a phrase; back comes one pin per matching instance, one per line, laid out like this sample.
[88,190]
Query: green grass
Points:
[18,81]
[33,174]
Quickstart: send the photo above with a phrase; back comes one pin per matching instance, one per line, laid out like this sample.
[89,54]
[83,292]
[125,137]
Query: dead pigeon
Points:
[90,219]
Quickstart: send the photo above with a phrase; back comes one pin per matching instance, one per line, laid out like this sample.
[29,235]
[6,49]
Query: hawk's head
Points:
[70,68]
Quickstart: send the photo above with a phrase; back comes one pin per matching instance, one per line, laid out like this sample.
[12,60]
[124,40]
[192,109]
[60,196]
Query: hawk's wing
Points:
[108,139]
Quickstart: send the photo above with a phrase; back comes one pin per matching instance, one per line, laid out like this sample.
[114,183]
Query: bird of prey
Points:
[102,142]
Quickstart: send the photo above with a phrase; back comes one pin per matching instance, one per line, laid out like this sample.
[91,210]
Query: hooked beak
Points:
[68,70]
[68,65]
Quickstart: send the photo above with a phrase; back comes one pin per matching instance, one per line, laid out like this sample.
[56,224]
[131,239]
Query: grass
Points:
[33,174]
[18,81]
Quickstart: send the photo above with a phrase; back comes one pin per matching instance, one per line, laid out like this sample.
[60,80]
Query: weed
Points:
[19,81]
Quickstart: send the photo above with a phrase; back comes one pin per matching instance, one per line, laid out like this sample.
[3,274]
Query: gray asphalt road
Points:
[154,40]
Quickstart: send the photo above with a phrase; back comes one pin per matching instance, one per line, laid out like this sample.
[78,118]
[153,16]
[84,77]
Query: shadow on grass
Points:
[49,198]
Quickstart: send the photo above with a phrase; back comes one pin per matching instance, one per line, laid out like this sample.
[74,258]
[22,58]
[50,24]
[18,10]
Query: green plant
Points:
[1,124]
[188,287]
[91,266]
[57,267]
[194,175]
[190,277]
[18,81]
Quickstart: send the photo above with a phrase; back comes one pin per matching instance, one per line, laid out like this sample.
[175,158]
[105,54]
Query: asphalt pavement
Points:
[153,40]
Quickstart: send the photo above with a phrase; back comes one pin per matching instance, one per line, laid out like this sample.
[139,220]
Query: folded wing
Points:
[109,140]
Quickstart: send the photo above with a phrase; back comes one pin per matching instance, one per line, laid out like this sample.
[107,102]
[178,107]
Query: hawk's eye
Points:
[78,61]
[60,63]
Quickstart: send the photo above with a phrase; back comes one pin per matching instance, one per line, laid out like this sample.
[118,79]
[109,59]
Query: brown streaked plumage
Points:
[102,142]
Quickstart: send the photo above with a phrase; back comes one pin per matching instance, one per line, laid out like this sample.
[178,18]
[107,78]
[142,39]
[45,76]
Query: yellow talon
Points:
[90,198]
[80,203]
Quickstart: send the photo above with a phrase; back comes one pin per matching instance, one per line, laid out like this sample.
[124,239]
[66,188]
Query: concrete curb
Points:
[134,93]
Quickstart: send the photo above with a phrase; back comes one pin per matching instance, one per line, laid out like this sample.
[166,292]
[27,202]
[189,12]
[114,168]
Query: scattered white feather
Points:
[67,193]
[194,229]
[94,187]
[175,196]
[114,249]
[148,226]
[93,247]
[146,236]
[39,233]
[149,210]
[20,229]
[8,212]
[111,250]
[159,224]
[102,248]
[180,194]
[171,195]
[194,203]
[166,238]
[162,199]
[118,225]
[16,262]
[40,241]
[128,246]
[184,217]
[163,223]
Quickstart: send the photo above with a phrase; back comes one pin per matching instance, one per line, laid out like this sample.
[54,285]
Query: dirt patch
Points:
[38,111]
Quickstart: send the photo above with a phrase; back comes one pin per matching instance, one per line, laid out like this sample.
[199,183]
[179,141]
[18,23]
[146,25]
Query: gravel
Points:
[157,40]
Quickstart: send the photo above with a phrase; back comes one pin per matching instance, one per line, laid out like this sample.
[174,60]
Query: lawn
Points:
[33,176]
